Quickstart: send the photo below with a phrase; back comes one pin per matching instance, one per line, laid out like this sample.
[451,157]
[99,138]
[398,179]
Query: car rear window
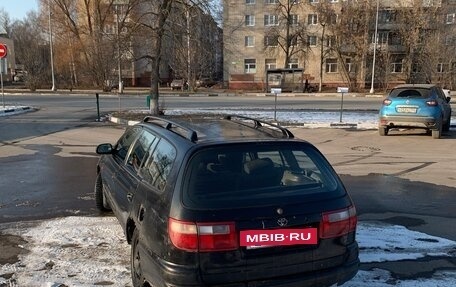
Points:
[410,93]
[242,175]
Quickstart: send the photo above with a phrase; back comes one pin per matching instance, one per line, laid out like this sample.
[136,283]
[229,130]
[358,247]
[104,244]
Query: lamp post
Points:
[375,50]
[119,65]
[189,67]
[51,48]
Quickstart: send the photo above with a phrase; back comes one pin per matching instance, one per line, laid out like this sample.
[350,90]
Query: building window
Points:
[333,19]
[250,66]
[271,1]
[394,39]
[271,20]
[348,64]
[331,65]
[109,29]
[293,64]
[442,68]
[271,41]
[293,40]
[249,2]
[451,18]
[270,64]
[330,41]
[396,65]
[294,19]
[313,1]
[249,20]
[312,19]
[333,1]
[312,41]
[249,41]
[382,38]
[387,16]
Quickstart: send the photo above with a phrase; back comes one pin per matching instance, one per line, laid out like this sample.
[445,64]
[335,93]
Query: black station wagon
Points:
[227,202]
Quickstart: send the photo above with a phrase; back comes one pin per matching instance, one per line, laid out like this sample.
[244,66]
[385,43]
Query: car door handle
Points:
[129,196]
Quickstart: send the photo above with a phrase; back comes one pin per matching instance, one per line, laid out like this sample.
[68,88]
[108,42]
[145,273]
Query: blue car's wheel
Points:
[437,133]
[446,126]
[383,131]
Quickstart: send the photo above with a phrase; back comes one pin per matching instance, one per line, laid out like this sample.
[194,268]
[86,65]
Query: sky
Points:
[18,9]
[92,251]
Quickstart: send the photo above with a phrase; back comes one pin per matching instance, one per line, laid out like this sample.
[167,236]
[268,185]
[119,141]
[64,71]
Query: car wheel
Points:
[438,132]
[383,131]
[100,199]
[446,127]
[137,276]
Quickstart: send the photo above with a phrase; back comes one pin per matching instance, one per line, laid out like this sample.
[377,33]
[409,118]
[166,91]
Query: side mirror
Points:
[105,148]
[448,99]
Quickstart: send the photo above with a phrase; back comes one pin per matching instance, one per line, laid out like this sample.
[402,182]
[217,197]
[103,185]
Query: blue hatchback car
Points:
[415,106]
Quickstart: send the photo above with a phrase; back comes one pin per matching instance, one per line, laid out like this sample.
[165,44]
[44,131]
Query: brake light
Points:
[338,223]
[387,102]
[432,103]
[204,237]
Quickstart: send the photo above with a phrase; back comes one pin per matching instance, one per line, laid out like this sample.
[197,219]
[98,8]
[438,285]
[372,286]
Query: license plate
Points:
[278,237]
[409,110]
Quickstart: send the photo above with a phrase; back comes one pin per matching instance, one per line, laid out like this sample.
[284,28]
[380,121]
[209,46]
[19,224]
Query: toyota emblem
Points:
[282,221]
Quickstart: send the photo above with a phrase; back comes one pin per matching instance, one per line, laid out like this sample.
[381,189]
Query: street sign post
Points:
[3,53]
[275,91]
[342,90]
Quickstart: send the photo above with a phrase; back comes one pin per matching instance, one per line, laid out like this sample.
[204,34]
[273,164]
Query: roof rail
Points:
[263,124]
[171,125]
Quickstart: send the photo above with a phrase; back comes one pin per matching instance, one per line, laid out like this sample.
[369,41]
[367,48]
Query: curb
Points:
[14,110]
[329,125]
[122,121]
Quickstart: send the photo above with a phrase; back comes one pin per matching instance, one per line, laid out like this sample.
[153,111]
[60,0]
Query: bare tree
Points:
[193,34]
[151,19]
[31,50]
[351,43]
[5,22]
[416,29]
[285,32]
[88,26]
[327,18]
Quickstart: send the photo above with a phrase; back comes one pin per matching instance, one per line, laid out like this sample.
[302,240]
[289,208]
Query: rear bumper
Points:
[173,275]
[408,122]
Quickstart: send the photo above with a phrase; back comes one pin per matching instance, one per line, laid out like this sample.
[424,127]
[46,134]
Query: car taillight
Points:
[204,237]
[432,103]
[339,222]
[387,102]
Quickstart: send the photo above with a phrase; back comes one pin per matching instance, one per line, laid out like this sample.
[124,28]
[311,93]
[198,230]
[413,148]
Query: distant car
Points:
[416,106]
[227,202]
[177,84]
[205,83]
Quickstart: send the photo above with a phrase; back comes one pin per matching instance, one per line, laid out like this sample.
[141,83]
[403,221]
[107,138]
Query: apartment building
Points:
[333,41]
[115,39]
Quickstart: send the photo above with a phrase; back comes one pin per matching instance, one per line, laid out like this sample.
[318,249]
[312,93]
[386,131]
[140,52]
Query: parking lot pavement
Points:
[411,155]
[403,180]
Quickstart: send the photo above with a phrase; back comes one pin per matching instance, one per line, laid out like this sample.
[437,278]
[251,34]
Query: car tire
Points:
[446,126]
[100,199]
[436,134]
[383,131]
[137,276]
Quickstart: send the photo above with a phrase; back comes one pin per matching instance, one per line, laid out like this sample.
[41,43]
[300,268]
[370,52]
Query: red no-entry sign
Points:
[3,51]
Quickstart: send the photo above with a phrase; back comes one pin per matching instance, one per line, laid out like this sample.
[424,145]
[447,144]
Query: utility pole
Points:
[189,67]
[375,50]
[119,55]
[52,50]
